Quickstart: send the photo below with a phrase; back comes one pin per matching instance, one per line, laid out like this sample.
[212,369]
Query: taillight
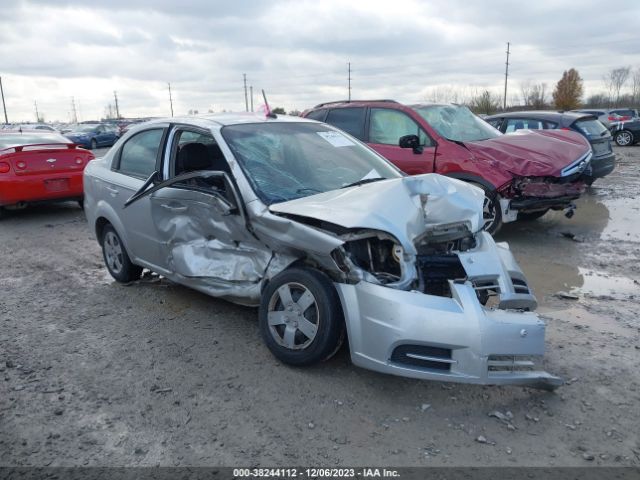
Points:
[4,167]
[565,128]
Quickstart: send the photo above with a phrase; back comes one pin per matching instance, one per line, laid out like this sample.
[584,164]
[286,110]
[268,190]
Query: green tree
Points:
[485,102]
[568,91]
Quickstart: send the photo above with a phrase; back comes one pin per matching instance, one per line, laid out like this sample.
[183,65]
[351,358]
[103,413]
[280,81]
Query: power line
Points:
[246,101]
[506,74]
[6,120]
[349,79]
[170,98]
[115,96]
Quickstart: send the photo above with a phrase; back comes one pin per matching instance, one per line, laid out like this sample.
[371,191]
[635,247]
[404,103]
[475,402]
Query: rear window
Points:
[351,120]
[591,127]
[17,139]
[317,114]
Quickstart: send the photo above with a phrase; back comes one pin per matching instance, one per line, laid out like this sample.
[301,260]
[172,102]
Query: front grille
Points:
[434,358]
[520,286]
[511,363]
[435,271]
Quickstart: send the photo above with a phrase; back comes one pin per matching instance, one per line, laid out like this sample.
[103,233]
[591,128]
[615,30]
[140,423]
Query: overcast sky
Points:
[53,50]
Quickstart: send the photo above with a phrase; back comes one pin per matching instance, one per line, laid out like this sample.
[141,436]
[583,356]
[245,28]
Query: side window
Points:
[351,120]
[387,126]
[317,115]
[550,125]
[196,151]
[495,122]
[514,124]
[138,156]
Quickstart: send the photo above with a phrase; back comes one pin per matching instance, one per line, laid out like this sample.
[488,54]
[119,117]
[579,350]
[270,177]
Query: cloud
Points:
[297,50]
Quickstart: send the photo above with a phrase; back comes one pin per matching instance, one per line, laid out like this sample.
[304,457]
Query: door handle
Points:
[174,208]
[112,190]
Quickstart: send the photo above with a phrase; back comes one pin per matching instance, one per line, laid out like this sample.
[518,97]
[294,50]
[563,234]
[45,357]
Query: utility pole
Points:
[251,90]
[6,120]
[506,74]
[246,101]
[115,96]
[73,109]
[349,79]
[35,104]
[170,98]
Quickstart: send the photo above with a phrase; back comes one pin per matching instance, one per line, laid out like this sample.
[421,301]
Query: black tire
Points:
[623,138]
[529,216]
[491,212]
[116,257]
[321,313]
[94,144]
[81,203]
[2,212]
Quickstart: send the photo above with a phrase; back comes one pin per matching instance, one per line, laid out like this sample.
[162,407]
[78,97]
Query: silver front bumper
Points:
[439,338]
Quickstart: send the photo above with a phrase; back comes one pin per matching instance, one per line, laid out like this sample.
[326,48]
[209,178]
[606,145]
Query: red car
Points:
[523,175]
[38,166]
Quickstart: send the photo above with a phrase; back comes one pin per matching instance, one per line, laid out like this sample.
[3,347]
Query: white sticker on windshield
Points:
[336,139]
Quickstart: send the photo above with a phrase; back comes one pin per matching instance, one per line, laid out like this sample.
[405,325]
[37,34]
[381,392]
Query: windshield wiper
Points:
[363,181]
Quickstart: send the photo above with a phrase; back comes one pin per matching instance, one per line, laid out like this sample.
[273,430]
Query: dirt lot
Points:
[95,373]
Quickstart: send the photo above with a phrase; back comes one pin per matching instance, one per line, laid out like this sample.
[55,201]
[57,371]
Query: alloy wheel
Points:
[113,252]
[293,316]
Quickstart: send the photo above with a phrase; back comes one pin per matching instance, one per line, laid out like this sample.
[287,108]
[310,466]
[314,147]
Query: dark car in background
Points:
[626,132]
[93,135]
[523,176]
[603,160]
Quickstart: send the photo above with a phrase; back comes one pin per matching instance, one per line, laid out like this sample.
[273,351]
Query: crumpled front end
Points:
[466,320]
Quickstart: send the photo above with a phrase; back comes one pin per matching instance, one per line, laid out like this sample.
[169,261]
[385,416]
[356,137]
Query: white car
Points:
[327,238]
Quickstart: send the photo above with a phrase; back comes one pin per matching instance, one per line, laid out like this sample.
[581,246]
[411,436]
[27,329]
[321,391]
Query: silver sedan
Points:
[329,240]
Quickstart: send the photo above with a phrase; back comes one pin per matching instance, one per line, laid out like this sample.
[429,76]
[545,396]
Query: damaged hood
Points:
[535,153]
[405,207]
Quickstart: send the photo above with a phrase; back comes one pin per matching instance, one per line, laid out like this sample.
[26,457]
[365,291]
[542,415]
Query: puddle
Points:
[578,316]
[596,284]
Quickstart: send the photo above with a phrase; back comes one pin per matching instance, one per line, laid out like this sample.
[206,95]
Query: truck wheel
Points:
[300,317]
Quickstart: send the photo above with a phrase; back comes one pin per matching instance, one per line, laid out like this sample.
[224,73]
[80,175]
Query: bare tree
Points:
[486,102]
[613,81]
[568,91]
[635,87]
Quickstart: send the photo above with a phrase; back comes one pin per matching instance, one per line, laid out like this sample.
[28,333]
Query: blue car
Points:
[93,135]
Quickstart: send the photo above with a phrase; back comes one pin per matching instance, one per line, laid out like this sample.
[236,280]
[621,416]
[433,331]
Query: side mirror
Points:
[411,141]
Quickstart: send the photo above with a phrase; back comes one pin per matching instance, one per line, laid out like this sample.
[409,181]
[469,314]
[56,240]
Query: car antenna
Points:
[269,113]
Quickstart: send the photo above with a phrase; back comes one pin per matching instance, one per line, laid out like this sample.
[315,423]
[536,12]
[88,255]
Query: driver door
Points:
[200,224]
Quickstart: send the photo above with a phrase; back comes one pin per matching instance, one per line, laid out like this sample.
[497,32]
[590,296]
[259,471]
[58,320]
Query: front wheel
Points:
[623,138]
[116,257]
[94,144]
[491,212]
[301,318]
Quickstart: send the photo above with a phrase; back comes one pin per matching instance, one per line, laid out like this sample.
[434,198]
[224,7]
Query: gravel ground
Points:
[95,373]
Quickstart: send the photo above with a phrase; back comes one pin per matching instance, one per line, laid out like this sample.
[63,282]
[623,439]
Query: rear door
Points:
[136,160]
[386,126]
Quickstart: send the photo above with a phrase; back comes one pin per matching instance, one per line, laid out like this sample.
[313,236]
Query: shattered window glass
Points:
[284,161]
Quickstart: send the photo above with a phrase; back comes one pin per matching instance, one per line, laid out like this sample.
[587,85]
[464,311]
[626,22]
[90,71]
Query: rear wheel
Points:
[301,318]
[116,257]
[623,138]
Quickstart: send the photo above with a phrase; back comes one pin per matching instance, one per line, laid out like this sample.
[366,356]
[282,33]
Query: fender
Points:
[106,211]
[468,177]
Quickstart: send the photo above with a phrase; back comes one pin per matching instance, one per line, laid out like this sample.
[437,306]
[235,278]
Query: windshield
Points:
[456,122]
[85,128]
[16,139]
[592,127]
[285,161]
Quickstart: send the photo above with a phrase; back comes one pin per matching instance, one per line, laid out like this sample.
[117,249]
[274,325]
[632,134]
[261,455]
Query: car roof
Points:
[224,119]
[11,138]
[564,118]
